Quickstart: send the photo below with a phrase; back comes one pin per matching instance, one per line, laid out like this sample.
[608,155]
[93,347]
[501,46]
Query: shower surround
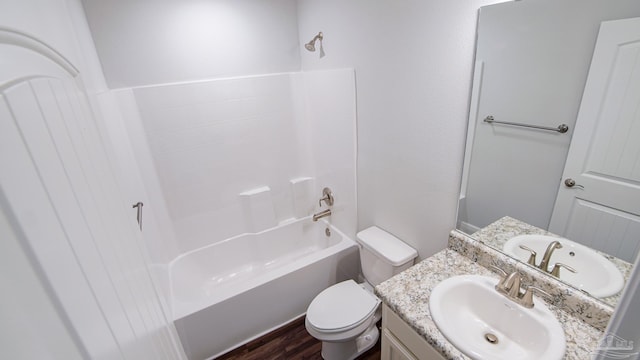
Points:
[212,141]
[226,157]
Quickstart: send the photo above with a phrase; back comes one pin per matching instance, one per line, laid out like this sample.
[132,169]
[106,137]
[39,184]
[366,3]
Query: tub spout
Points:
[321,214]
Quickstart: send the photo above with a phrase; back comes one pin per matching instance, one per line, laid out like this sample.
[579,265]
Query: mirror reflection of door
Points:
[532,61]
[598,202]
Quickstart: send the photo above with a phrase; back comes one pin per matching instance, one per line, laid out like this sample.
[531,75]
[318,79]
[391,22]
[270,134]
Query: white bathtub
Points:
[228,293]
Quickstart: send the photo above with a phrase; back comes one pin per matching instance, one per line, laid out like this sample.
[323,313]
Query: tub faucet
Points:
[321,214]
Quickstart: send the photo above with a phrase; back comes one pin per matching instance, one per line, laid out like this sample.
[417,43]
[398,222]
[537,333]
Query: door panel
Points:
[591,222]
[602,210]
[60,194]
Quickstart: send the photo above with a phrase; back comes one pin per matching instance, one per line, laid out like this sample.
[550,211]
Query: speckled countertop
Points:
[498,232]
[407,294]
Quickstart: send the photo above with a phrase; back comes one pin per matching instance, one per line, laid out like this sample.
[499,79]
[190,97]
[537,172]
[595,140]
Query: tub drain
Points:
[492,339]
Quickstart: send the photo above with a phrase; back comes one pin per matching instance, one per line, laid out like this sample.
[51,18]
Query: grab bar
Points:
[562,128]
[139,206]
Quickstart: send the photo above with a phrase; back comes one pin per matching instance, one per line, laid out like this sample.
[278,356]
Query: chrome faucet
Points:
[544,264]
[321,214]
[509,286]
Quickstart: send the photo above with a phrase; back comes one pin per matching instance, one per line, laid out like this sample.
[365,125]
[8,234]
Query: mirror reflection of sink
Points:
[594,273]
[484,324]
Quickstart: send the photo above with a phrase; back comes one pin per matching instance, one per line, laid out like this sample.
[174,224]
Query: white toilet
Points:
[344,316]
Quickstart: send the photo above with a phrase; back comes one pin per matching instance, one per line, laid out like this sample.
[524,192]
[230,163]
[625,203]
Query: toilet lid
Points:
[341,306]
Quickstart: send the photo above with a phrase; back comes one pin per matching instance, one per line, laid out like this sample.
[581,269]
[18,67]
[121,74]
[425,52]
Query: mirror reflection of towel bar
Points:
[562,128]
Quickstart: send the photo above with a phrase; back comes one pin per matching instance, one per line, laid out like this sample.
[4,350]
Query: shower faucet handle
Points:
[327,197]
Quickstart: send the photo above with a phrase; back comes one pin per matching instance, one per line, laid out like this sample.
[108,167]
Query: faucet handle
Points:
[527,298]
[327,197]
[502,272]
[556,269]
[532,255]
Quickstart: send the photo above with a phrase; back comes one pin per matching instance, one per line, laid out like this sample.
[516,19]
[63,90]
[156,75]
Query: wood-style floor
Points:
[290,342]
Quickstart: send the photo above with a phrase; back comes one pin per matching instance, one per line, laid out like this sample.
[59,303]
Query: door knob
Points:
[569,182]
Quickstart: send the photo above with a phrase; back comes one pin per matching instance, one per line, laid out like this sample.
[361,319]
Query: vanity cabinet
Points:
[401,342]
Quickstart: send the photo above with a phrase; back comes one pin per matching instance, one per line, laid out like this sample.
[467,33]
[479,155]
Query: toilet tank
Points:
[383,255]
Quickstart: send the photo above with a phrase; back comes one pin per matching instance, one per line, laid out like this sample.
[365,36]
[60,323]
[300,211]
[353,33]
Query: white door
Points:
[602,209]
[60,198]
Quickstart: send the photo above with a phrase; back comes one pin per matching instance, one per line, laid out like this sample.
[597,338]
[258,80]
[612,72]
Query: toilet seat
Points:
[341,307]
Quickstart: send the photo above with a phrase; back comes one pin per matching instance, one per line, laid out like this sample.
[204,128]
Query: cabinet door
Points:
[392,348]
[400,341]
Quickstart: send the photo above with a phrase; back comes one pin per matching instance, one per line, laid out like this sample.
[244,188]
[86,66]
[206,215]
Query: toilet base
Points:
[349,350]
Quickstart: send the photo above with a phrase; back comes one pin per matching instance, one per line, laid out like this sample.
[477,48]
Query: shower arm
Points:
[311,45]
[317,37]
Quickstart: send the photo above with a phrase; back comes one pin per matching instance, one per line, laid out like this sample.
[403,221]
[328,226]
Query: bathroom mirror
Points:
[532,63]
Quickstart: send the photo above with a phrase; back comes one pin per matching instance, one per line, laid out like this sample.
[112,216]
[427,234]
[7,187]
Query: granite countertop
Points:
[498,232]
[407,294]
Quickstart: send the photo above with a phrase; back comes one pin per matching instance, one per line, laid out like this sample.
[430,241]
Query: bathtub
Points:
[228,293]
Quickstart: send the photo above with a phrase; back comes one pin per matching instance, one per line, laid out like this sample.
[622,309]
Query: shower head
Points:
[311,45]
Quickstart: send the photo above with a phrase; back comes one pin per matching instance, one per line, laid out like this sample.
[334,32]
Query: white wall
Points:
[535,66]
[159,41]
[329,108]
[413,61]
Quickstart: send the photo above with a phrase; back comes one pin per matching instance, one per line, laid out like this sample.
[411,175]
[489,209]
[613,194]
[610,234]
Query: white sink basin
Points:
[467,308]
[595,274]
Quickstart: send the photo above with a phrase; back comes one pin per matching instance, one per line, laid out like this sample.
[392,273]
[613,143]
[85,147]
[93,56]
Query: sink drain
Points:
[327,232]
[492,339]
